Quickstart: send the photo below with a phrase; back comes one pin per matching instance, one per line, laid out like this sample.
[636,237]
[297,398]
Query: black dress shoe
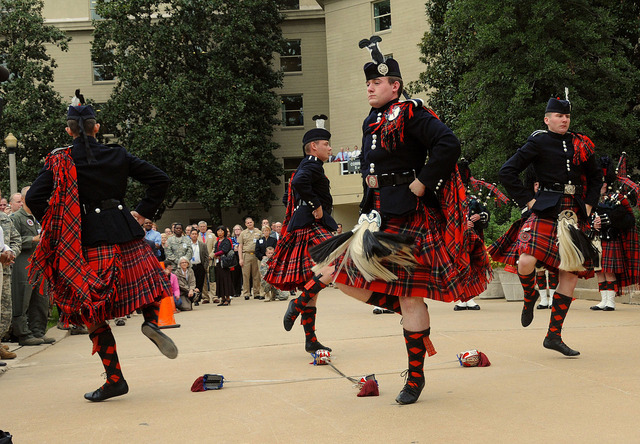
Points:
[290,316]
[473,307]
[108,391]
[2,364]
[312,347]
[162,341]
[608,309]
[409,394]
[542,307]
[526,317]
[246,298]
[557,345]
[458,308]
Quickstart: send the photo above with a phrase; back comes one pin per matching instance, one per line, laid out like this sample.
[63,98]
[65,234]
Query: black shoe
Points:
[608,309]
[312,347]
[246,298]
[290,316]
[162,341]
[378,311]
[2,364]
[543,307]
[473,307]
[595,307]
[458,308]
[409,394]
[108,391]
[557,345]
[526,317]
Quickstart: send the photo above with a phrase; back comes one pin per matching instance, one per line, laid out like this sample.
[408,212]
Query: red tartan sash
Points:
[453,202]
[392,124]
[58,257]
[290,207]
[583,148]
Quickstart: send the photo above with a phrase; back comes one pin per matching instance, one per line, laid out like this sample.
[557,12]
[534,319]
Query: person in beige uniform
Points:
[248,260]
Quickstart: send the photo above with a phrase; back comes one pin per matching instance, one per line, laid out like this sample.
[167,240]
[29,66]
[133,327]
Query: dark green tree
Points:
[511,56]
[195,94]
[34,112]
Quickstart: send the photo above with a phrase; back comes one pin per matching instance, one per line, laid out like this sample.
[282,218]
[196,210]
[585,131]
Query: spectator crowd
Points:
[205,265]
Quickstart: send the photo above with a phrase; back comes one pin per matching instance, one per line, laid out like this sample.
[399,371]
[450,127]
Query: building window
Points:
[292,114]
[102,73]
[382,15]
[290,4]
[291,57]
[92,10]
[290,165]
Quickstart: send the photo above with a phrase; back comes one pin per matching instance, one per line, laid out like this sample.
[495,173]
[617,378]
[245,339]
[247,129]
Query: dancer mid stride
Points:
[307,222]
[92,252]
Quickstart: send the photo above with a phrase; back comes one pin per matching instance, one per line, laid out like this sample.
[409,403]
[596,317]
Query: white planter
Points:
[511,285]
[494,289]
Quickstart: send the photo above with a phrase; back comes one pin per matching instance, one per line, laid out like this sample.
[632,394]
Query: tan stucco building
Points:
[323,75]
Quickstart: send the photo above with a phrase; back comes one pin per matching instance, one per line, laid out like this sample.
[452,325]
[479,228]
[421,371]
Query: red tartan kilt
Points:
[290,266]
[613,258]
[437,276]
[539,238]
[505,248]
[131,273]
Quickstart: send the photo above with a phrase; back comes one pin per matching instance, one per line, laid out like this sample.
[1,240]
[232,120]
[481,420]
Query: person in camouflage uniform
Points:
[178,245]
[271,293]
[11,240]
[30,304]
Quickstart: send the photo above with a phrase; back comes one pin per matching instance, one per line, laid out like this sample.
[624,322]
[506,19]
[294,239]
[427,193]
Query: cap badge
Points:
[383,69]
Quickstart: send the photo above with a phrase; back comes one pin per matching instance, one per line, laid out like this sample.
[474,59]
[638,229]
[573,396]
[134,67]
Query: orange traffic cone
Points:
[165,315]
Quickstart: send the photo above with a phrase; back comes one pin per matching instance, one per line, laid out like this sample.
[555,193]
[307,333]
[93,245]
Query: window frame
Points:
[292,57]
[376,18]
[285,111]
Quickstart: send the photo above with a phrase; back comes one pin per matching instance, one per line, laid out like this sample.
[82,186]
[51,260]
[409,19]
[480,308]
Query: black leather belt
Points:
[390,179]
[564,188]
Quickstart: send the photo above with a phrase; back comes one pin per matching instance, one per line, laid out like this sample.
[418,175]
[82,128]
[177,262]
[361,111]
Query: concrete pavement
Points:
[273,395]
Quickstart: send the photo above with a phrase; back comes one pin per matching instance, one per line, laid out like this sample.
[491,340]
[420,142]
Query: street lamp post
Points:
[12,143]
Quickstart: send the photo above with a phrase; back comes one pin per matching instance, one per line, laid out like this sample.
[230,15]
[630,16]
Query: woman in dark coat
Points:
[224,282]
[265,241]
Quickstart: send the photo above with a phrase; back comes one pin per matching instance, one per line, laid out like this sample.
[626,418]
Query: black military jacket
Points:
[429,147]
[99,185]
[311,189]
[551,155]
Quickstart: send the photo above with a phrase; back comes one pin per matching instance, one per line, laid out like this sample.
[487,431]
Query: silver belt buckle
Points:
[372,181]
[569,189]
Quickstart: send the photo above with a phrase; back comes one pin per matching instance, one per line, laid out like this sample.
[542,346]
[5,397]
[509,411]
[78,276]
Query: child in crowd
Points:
[175,287]
[271,293]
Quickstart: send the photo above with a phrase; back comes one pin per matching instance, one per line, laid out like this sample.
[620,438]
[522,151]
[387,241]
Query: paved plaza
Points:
[273,395]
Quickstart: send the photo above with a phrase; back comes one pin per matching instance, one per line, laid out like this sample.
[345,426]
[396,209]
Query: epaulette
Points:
[61,148]
[536,132]
[417,103]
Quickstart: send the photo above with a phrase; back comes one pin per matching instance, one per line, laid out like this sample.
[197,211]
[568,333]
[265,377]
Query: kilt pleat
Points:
[538,237]
[505,248]
[621,256]
[612,260]
[290,266]
[130,277]
[438,276]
